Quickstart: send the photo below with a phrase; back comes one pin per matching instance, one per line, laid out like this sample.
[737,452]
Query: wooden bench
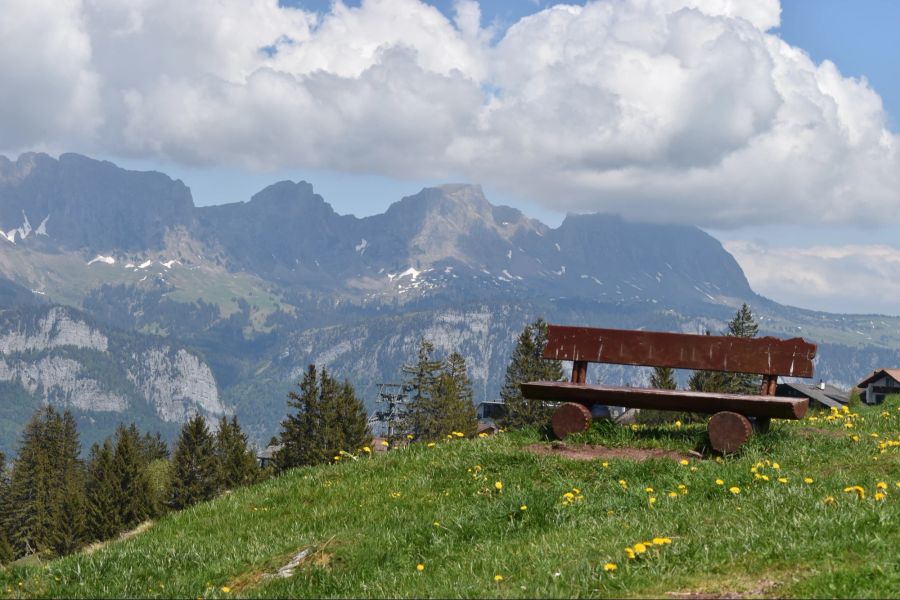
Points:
[729,426]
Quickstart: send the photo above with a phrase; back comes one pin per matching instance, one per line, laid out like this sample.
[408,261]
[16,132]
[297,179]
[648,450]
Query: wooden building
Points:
[881,383]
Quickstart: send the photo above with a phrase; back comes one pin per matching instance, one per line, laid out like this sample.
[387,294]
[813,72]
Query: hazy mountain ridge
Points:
[219,308]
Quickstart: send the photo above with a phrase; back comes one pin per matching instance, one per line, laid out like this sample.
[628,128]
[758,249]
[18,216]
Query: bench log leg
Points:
[571,417]
[728,431]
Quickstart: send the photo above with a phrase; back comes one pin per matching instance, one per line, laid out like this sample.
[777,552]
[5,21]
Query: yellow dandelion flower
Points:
[678,424]
[881,485]
[385,443]
[225,589]
[624,484]
[660,541]
[858,489]
[673,494]
[430,444]
[845,409]
[498,485]
[829,500]
[337,458]
[498,577]
[807,480]
[437,523]
[873,434]
[681,486]
[610,567]
[848,425]
[782,480]
[652,500]
[409,436]
[605,465]
[482,434]
[684,461]
[524,507]
[776,466]
[576,490]
[649,490]
[420,567]
[880,496]
[719,482]
[764,477]
[640,548]
[734,490]
[629,552]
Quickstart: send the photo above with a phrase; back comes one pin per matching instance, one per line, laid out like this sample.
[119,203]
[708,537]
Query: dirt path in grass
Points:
[594,452]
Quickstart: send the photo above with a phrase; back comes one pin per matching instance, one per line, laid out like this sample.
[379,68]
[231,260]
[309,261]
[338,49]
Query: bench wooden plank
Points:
[777,407]
[764,356]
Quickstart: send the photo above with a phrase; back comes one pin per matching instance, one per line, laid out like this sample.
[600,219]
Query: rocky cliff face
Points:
[58,357]
[176,383]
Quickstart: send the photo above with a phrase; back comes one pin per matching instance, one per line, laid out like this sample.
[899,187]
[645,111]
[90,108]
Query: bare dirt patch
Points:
[594,452]
[808,432]
[122,537]
[760,589]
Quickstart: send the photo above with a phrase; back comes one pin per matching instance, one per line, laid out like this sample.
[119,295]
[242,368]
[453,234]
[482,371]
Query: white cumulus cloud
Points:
[855,278]
[675,110]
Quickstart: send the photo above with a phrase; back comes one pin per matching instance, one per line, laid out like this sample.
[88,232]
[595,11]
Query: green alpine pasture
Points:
[811,509]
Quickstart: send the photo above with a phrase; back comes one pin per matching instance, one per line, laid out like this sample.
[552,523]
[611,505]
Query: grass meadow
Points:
[811,509]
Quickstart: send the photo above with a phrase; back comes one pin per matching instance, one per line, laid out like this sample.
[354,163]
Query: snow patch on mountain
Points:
[108,260]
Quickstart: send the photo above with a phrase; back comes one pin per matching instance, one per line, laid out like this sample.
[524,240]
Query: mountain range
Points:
[219,308]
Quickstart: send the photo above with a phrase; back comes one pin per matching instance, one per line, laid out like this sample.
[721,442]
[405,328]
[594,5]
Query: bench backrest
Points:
[765,356]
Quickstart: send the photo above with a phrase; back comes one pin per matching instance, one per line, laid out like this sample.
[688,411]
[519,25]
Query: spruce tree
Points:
[301,430]
[455,399]
[743,326]
[69,501]
[6,548]
[663,378]
[352,420]
[153,447]
[237,461]
[527,364]
[133,493]
[30,489]
[195,470]
[422,418]
[103,493]
[329,418]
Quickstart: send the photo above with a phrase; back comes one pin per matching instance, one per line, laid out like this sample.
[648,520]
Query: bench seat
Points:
[777,407]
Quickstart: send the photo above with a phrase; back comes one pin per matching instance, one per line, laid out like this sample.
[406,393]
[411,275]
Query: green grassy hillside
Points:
[486,517]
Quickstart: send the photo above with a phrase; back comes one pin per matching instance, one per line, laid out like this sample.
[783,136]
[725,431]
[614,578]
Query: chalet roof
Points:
[830,396]
[892,373]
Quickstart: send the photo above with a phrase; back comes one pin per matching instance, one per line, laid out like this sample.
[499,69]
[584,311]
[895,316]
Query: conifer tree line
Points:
[54,502]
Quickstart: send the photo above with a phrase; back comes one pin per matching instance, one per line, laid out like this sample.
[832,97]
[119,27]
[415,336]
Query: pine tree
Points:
[743,326]
[328,418]
[301,430]
[351,419]
[422,418]
[46,491]
[237,461]
[6,548]
[663,378]
[133,493]
[103,493]
[195,471]
[453,390]
[153,447]
[527,364]
[29,491]
[69,500]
